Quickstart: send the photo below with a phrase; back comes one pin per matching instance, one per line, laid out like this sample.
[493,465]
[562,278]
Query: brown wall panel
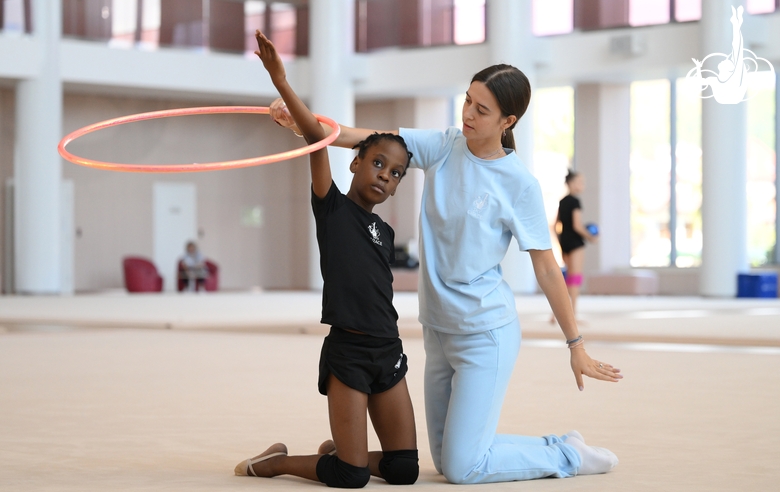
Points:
[179,21]
[302,31]
[84,18]
[600,14]
[226,25]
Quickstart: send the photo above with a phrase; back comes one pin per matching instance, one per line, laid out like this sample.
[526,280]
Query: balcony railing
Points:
[229,25]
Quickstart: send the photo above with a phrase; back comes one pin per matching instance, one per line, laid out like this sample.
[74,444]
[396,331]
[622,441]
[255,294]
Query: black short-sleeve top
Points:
[569,238]
[356,250]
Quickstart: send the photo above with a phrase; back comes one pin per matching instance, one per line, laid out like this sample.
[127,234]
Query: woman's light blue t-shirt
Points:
[471,208]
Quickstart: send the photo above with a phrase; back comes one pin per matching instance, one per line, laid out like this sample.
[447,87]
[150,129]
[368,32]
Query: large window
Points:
[687,206]
[761,167]
[650,165]
[469,21]
[553,17]
[222,25]
[124,21]
[666,195]
[229,25]
[553,147]
[564,16]
[399,23]
[666,227]
[761,6]
[283,22]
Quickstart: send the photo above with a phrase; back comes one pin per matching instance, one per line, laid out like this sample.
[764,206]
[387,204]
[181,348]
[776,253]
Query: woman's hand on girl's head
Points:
[581,363]
[281,115]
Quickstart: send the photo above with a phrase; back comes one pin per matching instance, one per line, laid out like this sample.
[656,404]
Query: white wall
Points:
[114,210]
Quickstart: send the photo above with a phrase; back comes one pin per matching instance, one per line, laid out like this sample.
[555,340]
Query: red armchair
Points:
[141,275]
[212,281]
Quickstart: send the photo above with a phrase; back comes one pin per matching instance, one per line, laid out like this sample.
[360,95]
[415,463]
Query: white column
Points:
[37,165]
[777,168]
[331,52]
[510,35]
[421,112]
[602,147]
[724,169]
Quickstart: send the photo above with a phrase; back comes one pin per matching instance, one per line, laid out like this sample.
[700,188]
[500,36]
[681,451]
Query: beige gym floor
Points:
[169,392]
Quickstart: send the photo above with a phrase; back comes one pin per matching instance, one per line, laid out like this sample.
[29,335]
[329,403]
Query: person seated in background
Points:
[192,269]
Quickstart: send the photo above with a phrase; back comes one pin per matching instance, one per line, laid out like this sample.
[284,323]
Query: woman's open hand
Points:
[581,363]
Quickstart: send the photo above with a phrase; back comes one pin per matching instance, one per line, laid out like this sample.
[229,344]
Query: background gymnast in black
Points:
[572,234]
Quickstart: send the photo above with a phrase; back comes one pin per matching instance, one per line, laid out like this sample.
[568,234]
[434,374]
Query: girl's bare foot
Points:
[259,465]
[327,447]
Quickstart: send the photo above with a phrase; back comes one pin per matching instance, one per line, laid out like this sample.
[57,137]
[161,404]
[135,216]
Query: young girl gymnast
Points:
[478,195]
[572,236]
[362,364]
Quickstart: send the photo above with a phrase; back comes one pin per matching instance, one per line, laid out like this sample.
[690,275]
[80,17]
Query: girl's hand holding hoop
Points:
[281,115]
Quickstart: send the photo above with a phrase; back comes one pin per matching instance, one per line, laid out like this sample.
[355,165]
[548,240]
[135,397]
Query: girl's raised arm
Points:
[308,125]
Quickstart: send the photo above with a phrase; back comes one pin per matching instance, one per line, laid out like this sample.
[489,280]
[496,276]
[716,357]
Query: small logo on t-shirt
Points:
[478,206]
[374,230]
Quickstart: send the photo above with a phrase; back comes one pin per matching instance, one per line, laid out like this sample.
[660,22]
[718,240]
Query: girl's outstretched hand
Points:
[270,58]
[581,363]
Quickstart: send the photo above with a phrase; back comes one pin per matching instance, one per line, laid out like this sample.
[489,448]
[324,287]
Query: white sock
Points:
[594,460]
[575,435]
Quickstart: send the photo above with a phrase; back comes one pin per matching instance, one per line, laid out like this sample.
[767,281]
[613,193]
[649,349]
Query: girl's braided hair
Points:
[376,137]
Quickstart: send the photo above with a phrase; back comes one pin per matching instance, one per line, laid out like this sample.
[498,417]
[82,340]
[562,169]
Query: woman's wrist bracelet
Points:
[296,133]
[575,342]
[575,345]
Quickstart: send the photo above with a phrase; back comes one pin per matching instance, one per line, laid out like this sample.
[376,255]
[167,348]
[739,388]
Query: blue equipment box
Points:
[758,284]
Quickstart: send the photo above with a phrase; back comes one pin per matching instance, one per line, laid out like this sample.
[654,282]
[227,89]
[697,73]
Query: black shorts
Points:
[368,364]
[570,243]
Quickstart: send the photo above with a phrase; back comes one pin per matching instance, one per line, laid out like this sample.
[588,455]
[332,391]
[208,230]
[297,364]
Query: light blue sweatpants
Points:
[466,377]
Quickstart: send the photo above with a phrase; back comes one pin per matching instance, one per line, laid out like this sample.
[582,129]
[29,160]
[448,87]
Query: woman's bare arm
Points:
[548,274]
[348,138]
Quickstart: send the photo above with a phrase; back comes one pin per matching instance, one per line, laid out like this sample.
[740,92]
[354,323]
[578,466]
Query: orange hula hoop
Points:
[194,167]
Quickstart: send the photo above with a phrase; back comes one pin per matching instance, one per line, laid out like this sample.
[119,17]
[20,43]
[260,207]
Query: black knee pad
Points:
[336,473]
[399,467]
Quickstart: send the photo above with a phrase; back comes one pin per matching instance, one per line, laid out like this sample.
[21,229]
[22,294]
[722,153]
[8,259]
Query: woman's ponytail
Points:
[508,139]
